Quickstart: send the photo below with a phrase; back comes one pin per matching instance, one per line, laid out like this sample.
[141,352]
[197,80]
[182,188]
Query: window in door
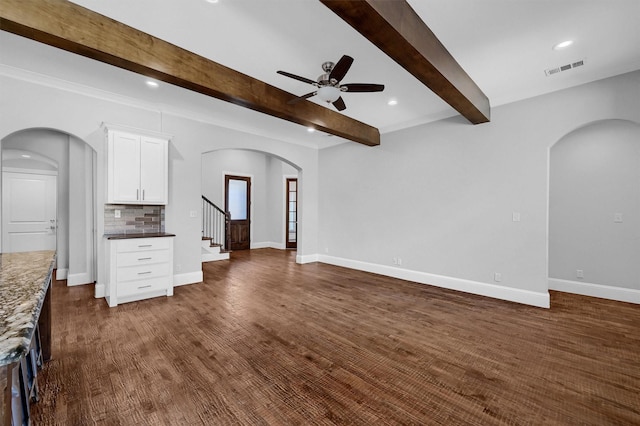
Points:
[292,213]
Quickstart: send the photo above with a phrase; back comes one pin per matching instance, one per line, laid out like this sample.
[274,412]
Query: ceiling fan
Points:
[328,84]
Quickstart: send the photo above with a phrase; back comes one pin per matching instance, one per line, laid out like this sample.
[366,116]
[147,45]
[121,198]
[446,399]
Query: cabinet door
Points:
[124,168]
[153,170]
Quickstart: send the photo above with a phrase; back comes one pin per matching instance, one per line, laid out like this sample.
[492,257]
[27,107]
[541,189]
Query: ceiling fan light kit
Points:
[328,84]
[329,93]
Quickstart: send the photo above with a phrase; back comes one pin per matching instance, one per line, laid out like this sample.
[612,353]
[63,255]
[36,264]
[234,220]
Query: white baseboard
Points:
[99,291]
[268,244]
[620,294]
[527,297]
[308,258]
[61,274]
[188,278]
[78,279]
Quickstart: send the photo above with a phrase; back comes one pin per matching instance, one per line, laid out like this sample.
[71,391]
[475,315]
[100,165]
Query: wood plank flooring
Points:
[264,341]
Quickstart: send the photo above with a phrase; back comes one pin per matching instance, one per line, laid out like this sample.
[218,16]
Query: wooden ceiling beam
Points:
[67,26]
[397,30]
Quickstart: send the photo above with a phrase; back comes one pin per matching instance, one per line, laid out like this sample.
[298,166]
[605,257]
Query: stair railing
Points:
[215,223]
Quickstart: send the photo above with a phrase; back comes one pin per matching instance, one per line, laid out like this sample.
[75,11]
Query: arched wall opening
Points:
[594,211]
[268,173]
[74,162]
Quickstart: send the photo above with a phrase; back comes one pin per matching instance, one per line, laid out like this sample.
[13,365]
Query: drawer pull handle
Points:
[144,286]
[144,258]
[143,273]
[145,245]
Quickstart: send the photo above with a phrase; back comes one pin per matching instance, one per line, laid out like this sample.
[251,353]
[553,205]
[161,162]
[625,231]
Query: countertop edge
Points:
[129,236]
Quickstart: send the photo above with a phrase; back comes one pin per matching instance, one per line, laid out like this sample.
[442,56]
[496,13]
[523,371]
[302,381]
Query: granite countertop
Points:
[139,235]
[24,280]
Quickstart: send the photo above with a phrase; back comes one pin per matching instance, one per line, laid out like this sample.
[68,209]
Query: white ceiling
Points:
[504,45]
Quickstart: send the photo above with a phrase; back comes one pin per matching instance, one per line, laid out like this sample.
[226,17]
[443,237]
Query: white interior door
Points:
[29,220]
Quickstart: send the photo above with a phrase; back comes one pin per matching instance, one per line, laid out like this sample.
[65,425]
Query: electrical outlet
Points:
[193,213]
[617,217]
[117,214]
[399,261]
[516,216]
[579,273]
[497,277]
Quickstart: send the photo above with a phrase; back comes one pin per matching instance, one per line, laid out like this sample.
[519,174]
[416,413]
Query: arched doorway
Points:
[594,211]
[74,161]
[268,175]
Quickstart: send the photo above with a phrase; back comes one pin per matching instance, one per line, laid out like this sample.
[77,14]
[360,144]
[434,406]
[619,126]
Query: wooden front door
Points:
[292,213]
[237,195]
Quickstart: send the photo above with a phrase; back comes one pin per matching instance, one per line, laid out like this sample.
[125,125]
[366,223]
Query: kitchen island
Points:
[25,305]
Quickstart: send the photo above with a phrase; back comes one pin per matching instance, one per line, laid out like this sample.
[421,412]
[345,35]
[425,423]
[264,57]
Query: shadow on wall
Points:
[594,210]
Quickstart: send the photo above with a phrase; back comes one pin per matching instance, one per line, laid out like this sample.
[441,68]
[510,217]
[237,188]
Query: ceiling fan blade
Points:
[339,104]
[299,98]
[340,69]
[297,77]
[363,87]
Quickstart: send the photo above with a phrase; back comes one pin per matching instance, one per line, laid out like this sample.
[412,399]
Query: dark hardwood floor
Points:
[264,341]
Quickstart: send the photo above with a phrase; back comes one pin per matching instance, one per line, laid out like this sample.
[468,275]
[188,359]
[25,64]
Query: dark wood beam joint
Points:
[70,27]
[395,28]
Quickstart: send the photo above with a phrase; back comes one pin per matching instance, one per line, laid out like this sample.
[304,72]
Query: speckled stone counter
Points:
[24,281]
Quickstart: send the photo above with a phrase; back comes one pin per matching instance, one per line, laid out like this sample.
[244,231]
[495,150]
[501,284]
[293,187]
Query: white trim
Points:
[99,291]
[527,297]
[146,132]
[61,274]
[620,294]
[307,258]
[79,279]
[187,278]
[30,171]
[268,244]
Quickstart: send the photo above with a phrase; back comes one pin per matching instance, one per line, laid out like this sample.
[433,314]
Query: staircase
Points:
[215,232]
[212,251]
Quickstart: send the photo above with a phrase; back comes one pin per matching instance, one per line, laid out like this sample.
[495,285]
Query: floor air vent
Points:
[562,68]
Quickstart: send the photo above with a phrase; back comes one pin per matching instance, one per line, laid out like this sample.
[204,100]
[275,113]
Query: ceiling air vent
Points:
[562,68]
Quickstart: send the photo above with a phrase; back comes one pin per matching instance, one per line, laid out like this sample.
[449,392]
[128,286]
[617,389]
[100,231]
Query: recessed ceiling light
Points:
[212,1]
[310,129]
[152,83]
[392,102]
[25,156]
[563,45]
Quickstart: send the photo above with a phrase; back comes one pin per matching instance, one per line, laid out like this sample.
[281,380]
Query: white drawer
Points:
[137,287]
[144,244]
[143,258]
[142,272]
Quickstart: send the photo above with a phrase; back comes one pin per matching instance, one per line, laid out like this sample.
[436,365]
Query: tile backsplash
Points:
[133,219]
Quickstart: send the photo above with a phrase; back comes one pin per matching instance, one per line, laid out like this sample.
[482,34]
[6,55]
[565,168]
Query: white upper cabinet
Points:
[137,168]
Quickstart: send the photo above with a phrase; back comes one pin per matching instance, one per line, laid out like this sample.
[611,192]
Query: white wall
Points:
[440,197]
[595,174]
[38,103]
[267,209]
